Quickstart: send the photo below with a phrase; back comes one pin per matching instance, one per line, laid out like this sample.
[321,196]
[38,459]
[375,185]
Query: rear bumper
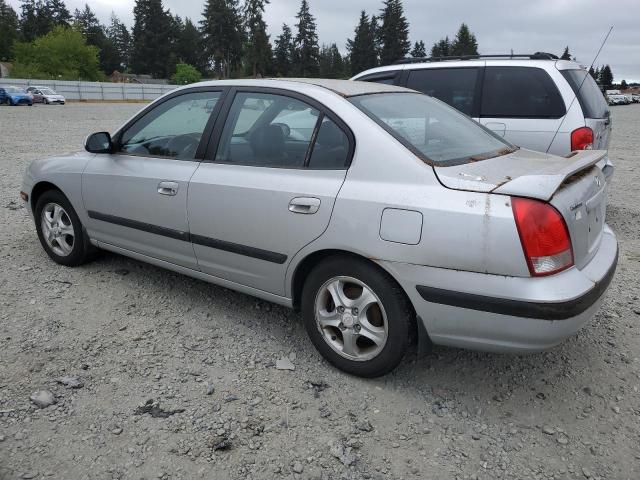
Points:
[507,314]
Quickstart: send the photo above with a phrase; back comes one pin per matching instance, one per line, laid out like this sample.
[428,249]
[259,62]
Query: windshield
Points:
[434,131]
[13,90]
[47,91]
[589,95]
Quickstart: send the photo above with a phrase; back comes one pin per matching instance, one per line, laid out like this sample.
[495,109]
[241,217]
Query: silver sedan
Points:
[382,214]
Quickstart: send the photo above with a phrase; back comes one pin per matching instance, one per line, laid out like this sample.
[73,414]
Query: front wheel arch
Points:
[37,191]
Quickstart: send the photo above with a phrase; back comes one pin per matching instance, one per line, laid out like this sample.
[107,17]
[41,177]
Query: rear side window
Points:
[266,130]
[589,95]
[331,150]
[454,86]
[520,92]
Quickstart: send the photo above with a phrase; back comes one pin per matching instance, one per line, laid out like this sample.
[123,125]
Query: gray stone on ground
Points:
[70,382]
[43,398]
[285,364]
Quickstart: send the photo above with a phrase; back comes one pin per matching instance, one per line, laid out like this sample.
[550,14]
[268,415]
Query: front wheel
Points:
[60,231]
[357,316]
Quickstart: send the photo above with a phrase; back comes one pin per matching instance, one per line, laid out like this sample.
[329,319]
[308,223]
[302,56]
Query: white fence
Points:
[95,91]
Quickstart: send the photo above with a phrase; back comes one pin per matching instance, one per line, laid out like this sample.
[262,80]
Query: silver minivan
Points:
[538,101]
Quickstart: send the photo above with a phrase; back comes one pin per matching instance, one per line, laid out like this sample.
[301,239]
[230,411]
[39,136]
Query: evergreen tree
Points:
[394,33]
[592,72]
[8,30]
[283,52]
[57,13]
[120,38]
[606,76]
[86,22]
[375,40]
[258,49]
[306,43]
[464,43]
[362,49]
[223,36]
[597,75]
[624,85]
[419,50]
[441,48]
[565,55]
[189,45]
[152,39]
[33,20]
[332,64]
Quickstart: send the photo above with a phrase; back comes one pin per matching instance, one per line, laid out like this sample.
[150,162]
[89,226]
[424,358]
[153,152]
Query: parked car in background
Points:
[636,98]
[45,95]
[15,96]
[376,210]
[527,99]
[618,99]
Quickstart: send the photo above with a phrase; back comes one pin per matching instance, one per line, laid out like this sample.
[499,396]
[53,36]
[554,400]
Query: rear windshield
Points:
[589,95]
[431,129]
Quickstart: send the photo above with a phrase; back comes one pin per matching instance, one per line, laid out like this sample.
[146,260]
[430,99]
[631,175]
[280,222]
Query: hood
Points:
[521,173]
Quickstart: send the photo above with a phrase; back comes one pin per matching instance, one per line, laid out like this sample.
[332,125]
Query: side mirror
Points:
[99,143]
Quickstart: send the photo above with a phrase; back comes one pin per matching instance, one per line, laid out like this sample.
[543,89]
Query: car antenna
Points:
[575,95]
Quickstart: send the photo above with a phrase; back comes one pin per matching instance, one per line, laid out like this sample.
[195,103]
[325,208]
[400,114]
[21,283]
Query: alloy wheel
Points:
[57,229]
[351,318]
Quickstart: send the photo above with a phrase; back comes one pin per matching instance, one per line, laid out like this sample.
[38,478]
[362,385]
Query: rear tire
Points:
[60,230]
[357,316]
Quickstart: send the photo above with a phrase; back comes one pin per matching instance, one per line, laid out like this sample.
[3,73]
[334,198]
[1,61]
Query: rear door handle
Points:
[306,205]
[168,188]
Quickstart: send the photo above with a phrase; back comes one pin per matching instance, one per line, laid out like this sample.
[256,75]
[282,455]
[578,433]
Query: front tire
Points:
[60,230]
[357,316]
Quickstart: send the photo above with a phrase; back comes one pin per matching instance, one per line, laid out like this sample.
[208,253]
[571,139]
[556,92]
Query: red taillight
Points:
[581,139]
[544,236]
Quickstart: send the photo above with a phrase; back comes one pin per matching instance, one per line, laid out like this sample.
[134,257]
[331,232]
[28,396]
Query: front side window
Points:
[520,92]
[454,86]
[431,129]
[267,130]
[172,129]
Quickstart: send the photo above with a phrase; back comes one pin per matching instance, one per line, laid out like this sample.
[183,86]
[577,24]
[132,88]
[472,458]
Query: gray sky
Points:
[500,25]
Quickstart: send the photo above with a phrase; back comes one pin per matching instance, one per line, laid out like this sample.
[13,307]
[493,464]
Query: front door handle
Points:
[168,188]
[306,205]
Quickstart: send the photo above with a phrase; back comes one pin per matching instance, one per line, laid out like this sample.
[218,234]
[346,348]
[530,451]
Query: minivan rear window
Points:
[589,95]
[520,92]
[435,132]
[454,86]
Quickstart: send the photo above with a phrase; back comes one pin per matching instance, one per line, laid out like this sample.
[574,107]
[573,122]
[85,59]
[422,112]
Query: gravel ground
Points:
[127,333]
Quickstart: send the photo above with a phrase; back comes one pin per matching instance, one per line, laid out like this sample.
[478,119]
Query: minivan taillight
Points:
[581,139]
[544,236]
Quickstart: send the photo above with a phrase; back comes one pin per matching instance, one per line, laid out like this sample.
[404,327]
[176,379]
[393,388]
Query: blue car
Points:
[15,96]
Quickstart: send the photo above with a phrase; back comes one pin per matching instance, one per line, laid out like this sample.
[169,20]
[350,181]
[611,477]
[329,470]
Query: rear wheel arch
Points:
[307,264]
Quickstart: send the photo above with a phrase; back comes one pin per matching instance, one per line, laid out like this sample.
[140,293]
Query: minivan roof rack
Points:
[531,56]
